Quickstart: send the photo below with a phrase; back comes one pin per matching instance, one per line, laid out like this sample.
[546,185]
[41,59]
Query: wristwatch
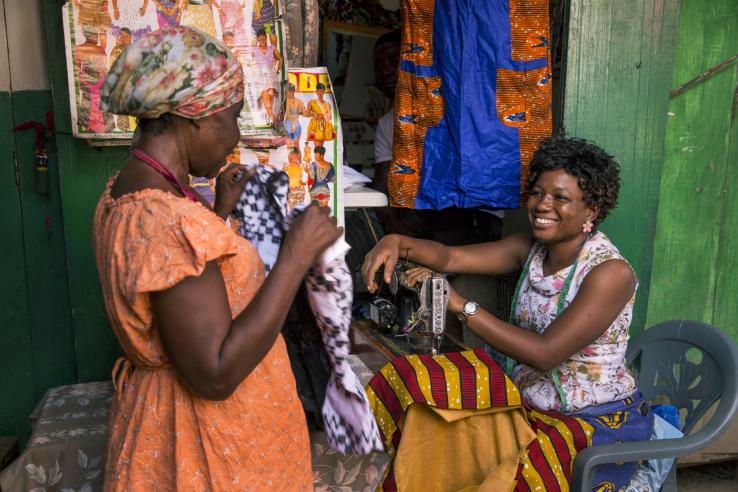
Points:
[470,309]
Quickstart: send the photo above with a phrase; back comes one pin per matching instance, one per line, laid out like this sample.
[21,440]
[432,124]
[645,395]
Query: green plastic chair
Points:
[693,383]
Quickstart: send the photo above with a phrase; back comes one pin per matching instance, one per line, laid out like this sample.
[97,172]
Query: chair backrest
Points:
[693,364]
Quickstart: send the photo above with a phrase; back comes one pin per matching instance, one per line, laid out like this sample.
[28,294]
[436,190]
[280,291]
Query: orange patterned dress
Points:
[162,436]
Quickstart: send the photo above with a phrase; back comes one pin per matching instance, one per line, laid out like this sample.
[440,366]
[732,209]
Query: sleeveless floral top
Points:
[595,375]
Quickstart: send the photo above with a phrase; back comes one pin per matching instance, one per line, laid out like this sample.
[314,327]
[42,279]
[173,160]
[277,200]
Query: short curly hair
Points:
[597,172]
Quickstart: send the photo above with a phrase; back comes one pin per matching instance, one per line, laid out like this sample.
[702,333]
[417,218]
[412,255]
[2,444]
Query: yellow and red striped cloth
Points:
[472,381]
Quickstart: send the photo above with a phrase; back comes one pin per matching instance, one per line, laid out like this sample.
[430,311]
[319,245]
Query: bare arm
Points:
[495,258]
[602,296]
[210,351]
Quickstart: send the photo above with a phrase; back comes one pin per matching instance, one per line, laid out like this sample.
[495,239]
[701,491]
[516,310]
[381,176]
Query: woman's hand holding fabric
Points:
[214,352]
[229,187]
[311,234]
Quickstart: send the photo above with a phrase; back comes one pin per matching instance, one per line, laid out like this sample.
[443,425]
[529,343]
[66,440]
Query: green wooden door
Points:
[36,343]
[37,346]
[618,75]
[695,261]
[83,173]
[16,361]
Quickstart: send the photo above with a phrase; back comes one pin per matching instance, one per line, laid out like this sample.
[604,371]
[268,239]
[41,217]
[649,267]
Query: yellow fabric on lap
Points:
[454,448]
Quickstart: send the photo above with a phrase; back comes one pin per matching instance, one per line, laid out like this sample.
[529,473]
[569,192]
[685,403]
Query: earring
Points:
[587,227]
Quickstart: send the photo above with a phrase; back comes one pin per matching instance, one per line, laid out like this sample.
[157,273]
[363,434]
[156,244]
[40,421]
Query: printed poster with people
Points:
[97,31]
[312,151]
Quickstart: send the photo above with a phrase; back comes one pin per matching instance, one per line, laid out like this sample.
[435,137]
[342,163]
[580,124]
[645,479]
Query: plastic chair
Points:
[693,364]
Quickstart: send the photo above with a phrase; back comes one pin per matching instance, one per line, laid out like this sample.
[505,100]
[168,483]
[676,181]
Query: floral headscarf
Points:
[177,70]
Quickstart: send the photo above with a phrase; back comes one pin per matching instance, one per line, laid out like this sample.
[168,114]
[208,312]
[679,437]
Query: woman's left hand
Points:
[414,276]
[228,188]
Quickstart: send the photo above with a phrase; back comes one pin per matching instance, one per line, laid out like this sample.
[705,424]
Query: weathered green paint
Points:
[40,349]
[16,351]
[46,270]
[696,244]
[84,170]
[726,301]
[618,73]
[36,326]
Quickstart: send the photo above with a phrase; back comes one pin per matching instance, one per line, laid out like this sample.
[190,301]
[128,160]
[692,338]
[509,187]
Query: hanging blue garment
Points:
[489,74]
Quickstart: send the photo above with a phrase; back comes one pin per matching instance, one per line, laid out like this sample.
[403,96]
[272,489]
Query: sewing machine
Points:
[412,320]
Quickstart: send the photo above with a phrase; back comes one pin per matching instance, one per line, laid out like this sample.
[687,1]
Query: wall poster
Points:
[97,31]
[290,120]
[311,152]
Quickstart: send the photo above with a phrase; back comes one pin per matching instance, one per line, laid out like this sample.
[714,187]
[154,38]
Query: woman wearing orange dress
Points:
[206,400]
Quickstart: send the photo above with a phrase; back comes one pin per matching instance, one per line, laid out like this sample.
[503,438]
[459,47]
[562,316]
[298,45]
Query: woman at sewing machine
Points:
[565,343]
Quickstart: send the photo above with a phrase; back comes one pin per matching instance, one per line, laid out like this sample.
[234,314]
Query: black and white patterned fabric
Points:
[262,210]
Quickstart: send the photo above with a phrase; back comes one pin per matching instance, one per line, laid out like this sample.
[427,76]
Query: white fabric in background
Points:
[383,138]
[352,177]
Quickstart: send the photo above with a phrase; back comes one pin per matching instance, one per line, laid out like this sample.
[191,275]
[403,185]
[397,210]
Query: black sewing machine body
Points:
[412,316]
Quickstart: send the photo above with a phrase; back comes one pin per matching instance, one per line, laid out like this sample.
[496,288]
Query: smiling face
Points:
[556,208]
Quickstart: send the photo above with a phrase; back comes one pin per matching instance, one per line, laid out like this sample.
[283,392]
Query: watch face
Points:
[470,307]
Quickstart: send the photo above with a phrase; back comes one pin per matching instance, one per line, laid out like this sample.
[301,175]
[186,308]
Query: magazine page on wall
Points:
[96,32]
[311,153]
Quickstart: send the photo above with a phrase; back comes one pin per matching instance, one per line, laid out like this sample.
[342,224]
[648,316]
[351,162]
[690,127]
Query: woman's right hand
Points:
[311,234]
[384,254]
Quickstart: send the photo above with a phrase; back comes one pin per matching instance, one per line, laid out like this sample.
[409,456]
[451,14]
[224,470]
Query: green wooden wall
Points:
[53,328]
[37,349]
[618,74]
[15,349]
[83,172]
[695,268]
